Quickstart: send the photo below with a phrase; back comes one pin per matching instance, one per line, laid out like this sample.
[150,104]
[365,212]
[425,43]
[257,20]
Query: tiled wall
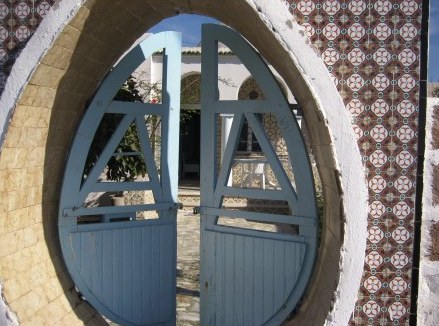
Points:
[18,21]
[371,48]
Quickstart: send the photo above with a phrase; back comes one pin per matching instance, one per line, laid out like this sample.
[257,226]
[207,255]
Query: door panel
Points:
[123,263]
[140,291]
[254,276]
[249,275]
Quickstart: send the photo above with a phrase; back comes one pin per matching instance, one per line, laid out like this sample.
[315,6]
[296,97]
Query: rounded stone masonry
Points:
[47,91]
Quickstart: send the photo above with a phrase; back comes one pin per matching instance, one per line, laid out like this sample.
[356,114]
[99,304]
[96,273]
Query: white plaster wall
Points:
[7,318]
[232,73]
[428,296]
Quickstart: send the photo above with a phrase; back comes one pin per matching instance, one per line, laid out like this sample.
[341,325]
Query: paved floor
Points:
[188,263]
[188,267]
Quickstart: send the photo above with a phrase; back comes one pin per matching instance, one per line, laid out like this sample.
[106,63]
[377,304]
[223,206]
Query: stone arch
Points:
[191,88]
[249,89]
[50,84]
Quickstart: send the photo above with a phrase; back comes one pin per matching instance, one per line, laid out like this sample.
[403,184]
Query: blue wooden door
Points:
[123,264]
[251,274]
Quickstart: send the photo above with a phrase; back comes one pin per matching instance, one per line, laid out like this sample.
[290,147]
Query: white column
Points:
[226,125]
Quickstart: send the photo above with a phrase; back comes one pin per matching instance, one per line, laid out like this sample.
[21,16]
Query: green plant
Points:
[127,163]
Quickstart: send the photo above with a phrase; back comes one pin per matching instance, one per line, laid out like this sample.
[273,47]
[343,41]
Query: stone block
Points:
[66,119]
[2,223]
[31,116]
[29,236]
[70,319]
[58,57]
[17,199]
[47,76]
[11,158]
[13,137]
[3,180]
[17,263]
[69,37]
[80,18]
[29,275]
[34,177]
[27,305]
[13,289]
[52,288]
[16,220]
[16,179]
[26,137]
[34,320]
[35,156]
[79,82]
[34,196]
[9,243]
[36,213]
[37,97]
[53,312]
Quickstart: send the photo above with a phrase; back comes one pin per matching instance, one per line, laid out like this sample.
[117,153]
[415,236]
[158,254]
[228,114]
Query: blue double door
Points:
[125,264]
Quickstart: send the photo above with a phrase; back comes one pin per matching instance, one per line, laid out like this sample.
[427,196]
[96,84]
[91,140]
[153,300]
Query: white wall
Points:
[428,296]
[230,70]
[6,317]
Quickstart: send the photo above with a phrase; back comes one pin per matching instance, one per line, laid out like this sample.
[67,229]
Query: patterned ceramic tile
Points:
[19,19]
[371,48]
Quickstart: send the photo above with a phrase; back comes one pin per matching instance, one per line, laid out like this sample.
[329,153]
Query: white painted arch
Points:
[274,32]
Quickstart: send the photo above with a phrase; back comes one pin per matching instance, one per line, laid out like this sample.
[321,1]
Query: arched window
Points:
[249,90]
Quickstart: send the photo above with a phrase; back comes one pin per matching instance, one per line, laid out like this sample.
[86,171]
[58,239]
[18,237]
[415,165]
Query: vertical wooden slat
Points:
[167,302]
[258,297]
[126,254]
[117,272]
[155,274]
[229,279]
[268,278]
[238,257]
[137,287]
[279,274]
[107,268]
[289,266]
[219,278]
[96,264]
[146,276]
[248,291]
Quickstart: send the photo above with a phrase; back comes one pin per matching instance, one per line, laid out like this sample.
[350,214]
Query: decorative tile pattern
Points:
[18,21]
[371,48]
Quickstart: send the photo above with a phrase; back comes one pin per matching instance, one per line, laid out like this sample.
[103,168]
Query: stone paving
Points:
[188,262]
[188,268]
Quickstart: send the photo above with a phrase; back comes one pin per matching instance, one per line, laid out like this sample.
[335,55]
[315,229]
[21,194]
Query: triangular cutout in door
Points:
[122,156]
[249,275]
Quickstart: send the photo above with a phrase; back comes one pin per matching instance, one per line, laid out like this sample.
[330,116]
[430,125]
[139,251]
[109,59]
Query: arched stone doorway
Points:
[85,40]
